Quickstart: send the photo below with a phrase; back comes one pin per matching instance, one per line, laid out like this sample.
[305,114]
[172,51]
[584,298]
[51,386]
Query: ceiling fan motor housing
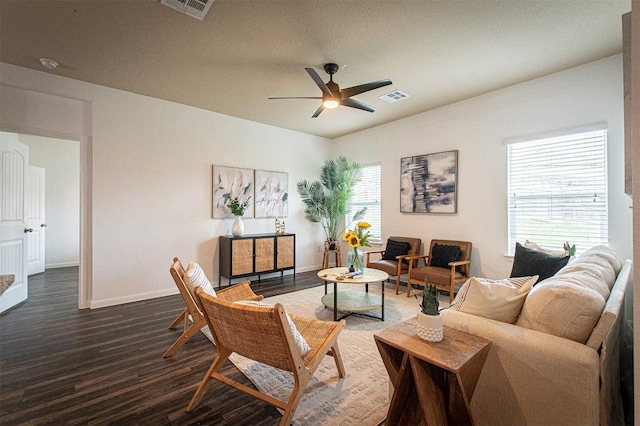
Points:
[331,68]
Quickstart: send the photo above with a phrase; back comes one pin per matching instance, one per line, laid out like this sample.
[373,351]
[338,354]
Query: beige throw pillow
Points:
[500,300]
[533,246]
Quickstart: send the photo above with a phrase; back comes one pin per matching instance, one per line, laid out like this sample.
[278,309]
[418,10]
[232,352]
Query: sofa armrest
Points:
[531,377]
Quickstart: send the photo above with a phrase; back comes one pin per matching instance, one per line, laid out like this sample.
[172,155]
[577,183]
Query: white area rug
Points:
[362,396]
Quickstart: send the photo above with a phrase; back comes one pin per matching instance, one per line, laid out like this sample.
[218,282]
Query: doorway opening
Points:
[60,159]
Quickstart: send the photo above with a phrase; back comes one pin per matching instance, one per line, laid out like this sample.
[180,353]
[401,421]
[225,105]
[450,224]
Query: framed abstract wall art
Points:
[429,183]
[271,194]
[231,182]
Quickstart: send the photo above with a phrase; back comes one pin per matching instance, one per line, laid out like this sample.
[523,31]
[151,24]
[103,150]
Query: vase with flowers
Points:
[356,238]
[238,208]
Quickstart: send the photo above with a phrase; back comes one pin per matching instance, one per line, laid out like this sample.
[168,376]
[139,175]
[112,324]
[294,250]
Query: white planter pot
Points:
[237,229]
[430,327]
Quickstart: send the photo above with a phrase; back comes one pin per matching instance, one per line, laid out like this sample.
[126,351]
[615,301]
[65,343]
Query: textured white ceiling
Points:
[243,52]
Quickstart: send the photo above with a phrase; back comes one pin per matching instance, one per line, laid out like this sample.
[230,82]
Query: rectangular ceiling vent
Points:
[394,96]
[193,8]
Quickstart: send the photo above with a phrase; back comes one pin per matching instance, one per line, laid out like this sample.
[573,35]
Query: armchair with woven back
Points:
[187,280]
[446,266]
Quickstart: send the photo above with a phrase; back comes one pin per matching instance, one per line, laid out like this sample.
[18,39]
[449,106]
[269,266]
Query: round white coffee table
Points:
[353,302]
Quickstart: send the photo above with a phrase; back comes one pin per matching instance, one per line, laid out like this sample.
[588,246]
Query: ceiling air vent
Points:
[194,8]
[394,96]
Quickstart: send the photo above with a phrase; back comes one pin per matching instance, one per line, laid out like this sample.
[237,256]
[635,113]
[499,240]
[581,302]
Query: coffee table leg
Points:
[335,301]
[382,282]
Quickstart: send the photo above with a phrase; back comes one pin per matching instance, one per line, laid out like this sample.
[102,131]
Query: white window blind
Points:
[558,191]
[367,194]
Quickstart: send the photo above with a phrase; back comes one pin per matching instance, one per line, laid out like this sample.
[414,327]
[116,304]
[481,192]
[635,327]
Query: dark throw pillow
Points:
[395,248]
[442,254]
[527,262]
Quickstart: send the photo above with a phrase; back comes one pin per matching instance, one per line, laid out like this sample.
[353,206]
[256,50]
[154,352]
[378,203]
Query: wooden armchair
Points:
[263,334]
[397,266]
[192,313]
[445,278]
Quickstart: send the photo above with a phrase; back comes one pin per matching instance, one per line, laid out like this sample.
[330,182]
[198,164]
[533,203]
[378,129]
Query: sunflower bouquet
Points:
[358,237]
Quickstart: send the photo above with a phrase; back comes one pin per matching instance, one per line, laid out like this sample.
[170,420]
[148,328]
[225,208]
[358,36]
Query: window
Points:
[558,190]
[367,194]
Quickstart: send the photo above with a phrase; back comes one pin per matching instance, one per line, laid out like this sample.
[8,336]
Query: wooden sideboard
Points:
[256,254]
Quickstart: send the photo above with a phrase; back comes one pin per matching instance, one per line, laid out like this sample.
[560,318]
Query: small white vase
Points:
[430,327]
[237,229]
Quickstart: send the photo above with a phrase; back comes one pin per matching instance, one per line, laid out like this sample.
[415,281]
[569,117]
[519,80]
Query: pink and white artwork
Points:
[271,194]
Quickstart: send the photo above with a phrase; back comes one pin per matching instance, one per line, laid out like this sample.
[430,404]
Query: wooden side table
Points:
[328,251]
[433,382]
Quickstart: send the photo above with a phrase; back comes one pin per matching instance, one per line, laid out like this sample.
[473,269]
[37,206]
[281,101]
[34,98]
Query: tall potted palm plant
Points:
[328,200]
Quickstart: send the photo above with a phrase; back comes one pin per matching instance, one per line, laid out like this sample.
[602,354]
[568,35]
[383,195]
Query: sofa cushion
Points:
[604,253]
[588,275]
[527,262]
[563,308]
[442,254]
[197,277]
[499,300]
[394,249]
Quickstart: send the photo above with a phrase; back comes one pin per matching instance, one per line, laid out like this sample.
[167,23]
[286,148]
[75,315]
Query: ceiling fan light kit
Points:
[332,96]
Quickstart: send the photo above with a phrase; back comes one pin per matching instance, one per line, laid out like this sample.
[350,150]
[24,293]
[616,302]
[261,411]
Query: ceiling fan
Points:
[332,96]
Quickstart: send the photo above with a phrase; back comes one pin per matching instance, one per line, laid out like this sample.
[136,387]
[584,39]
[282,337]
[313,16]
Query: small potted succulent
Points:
[430,326]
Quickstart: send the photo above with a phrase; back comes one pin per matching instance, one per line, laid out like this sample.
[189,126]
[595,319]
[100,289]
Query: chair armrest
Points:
[459,262]
[368,253]
[417,256]
[413,261]
[241,291]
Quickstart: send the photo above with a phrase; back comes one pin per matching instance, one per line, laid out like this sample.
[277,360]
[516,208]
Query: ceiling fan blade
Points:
[357,104]
[356,90]
[314,75]
[299,97]
[318,111]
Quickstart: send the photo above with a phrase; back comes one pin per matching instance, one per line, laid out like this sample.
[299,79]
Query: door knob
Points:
[43,225]
[28,230]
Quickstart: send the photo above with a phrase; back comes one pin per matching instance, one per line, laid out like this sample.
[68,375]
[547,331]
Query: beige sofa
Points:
[558,363]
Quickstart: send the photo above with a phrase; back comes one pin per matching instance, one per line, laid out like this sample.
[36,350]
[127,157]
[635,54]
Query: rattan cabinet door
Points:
[265,254]
[286,252]
[242,260]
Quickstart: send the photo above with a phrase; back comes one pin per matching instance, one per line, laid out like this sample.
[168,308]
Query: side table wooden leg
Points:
[431,399]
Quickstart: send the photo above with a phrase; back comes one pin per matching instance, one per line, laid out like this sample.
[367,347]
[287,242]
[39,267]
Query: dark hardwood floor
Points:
[62,365]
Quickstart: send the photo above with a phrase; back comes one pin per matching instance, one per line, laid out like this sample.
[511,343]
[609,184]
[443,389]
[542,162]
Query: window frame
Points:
[597,232]
[374,239]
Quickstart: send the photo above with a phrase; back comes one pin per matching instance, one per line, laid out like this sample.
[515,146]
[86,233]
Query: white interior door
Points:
[14,159]
[34,207]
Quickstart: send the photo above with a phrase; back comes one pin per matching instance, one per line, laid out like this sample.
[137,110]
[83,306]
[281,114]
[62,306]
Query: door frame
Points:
[85,119]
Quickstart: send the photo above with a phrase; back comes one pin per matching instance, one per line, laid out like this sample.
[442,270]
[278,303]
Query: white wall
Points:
[151,178]
[478,128]
[151,189]
[61,160]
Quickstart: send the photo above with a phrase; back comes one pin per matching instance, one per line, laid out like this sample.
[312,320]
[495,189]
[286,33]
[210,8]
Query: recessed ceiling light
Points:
[49,64]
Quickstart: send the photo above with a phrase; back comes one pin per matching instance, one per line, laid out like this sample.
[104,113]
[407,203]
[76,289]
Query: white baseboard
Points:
[95,304]
[61,265]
